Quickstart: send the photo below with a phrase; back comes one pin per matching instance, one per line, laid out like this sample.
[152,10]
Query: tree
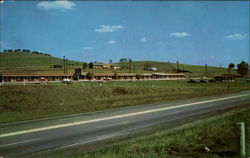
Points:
[90,76]
[110,61]
[230,66]
[123,60]
[91,66]
[26,50]
[115,76]
[242,68]
[138,76]
[84,66]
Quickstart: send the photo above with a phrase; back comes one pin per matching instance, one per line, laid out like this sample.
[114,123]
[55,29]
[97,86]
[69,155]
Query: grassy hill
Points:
[197,71]
[21,62]
[33,63]
[139,66]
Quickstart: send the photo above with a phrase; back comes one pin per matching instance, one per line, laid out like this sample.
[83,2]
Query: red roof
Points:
[38,74]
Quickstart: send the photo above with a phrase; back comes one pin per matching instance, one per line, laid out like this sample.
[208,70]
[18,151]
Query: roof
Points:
[38,74]
[168,74]
[97,64]
[229,75]
[133,74]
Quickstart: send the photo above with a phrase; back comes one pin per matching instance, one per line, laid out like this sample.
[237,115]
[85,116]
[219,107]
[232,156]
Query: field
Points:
[36,101]
[214,137]
[22,62]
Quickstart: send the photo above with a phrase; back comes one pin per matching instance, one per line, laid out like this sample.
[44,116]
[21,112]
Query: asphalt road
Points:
[61,133]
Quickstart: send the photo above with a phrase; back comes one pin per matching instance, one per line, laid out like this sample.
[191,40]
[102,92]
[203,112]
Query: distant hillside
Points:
[20,62]
[28,62]
[196,71]
[140,65]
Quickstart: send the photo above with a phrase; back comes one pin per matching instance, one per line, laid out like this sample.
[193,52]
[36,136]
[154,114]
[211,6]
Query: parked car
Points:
[212,80]
[204,81]
[66,80]
[193,81]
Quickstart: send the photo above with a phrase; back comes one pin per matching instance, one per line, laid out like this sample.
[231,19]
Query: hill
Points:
[196,70]
[140,65]
[25,62]
[31,62]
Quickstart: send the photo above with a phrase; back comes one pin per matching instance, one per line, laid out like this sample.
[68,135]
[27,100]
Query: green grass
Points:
[36,101]
[220,134]
[138,66]
[198,71]
[32,63]
[19,62]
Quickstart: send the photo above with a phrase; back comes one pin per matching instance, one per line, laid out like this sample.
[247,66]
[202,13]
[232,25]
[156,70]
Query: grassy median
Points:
[21,102]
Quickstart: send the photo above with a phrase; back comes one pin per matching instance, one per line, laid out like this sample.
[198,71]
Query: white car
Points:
[66,80]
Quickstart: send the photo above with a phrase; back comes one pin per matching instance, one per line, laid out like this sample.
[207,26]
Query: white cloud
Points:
[111,42]
[88,48]
[143,39]
[165,43]
[180,34]
[108,28]
[212,56]
[236,36]
[56,5]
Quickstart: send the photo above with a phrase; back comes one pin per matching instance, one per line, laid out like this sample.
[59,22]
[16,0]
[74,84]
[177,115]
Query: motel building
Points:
[132,76]
[58,77]
[28,77]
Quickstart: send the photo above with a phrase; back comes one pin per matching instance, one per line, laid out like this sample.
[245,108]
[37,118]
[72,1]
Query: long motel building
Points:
[57,77]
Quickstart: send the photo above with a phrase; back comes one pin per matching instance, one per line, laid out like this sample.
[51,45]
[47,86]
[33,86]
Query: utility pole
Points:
[177,65]
[206,68]
[64,64]
[130,65]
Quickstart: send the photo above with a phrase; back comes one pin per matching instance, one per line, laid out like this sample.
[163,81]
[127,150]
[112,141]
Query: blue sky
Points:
[191,32]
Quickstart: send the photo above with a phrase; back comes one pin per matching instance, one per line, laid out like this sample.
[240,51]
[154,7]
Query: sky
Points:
[191,32]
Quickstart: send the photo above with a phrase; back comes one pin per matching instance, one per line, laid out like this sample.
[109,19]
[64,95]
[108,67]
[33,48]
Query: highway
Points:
[67,132]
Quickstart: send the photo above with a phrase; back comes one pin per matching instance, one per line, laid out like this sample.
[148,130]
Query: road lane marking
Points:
[21,142]
[81,142]
[115,117]
[110,125]
[91,140]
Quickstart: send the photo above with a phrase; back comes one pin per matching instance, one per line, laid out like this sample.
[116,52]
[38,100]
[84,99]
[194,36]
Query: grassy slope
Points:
[37,63]
[31,102]
[219,134]
[138,66]
[197,71]
[27,62]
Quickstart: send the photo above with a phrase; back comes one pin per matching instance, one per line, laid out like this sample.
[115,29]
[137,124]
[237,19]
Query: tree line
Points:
[25,51]
[242,68]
